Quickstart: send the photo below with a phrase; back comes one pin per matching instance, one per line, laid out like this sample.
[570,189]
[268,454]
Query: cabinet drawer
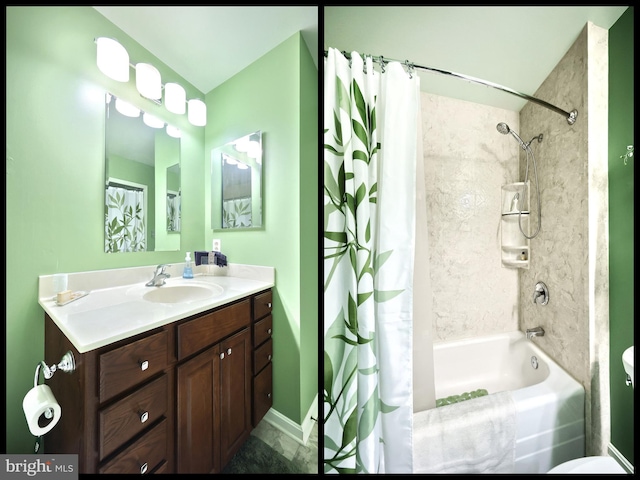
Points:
[261,305]
[143,455]
[262,356]
[125,419]
[195,335]
[262,330]
[131,364]
[262,397]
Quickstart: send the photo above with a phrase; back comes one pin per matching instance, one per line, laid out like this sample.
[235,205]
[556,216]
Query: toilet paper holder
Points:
[67,364]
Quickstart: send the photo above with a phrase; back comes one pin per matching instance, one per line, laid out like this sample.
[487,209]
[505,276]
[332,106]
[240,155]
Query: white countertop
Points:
[114,308]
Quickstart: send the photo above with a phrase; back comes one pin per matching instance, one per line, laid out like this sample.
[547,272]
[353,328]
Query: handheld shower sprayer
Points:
[504,129]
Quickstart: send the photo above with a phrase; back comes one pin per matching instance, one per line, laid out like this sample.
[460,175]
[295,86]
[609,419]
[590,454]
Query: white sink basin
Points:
[182,293]
[627,360]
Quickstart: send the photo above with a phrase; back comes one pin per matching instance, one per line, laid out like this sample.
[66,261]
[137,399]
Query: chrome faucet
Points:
[535,332]
[541,294]
[158,277]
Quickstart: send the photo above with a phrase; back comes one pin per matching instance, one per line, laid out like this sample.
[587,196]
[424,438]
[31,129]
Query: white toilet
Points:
[595,464]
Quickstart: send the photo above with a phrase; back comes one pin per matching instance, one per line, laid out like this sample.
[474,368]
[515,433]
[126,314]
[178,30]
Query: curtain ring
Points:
[409,67]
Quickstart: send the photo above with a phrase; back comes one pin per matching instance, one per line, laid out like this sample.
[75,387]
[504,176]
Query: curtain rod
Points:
[570,116]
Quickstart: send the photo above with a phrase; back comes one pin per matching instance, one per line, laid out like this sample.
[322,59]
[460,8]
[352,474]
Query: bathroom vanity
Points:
[174,386]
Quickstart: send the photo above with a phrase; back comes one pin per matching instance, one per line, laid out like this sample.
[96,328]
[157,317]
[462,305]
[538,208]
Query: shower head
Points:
[504,129]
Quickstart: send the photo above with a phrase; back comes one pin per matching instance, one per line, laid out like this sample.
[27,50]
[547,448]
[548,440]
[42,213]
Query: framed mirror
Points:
[236,184]
[142,181]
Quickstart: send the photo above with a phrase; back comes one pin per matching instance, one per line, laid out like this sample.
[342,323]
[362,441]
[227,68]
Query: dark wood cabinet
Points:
[198,415]
[176,399]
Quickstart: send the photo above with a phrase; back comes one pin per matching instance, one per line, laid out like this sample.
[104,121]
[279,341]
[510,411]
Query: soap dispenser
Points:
[188,270]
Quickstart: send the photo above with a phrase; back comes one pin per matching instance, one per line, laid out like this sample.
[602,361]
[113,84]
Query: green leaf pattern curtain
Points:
[124,220]
[370,144]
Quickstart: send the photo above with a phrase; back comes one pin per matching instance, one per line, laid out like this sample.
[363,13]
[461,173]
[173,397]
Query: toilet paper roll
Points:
[41,408]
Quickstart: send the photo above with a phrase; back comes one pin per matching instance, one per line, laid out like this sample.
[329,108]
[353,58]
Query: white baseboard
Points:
[615,453]
[299,433]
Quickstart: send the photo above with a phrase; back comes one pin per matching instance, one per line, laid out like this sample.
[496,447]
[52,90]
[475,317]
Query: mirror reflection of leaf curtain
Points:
[173,212]
[236,213]
[370,145]
[124,220]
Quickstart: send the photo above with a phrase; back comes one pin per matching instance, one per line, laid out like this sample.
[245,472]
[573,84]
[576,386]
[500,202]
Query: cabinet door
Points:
[235,393]
[197,412]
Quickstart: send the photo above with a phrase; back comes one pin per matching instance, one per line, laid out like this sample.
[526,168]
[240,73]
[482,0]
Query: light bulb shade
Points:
[148,81]
[112,59]
[126,108]
[173,131]
[197,112]
[242,144]
[153,122]
[254,149]
[175,98]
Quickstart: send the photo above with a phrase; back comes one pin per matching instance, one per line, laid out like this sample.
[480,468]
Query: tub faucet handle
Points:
[541,291]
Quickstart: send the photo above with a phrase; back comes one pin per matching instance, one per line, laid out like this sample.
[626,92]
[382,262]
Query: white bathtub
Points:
[549,403]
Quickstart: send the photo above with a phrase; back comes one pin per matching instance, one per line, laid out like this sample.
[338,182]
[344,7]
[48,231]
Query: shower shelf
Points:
[515,251]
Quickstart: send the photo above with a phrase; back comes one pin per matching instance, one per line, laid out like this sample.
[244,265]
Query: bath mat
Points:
[461,398]
[255,456]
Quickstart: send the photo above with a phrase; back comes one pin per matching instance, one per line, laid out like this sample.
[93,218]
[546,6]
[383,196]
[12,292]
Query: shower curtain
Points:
[371,122]
[124,220]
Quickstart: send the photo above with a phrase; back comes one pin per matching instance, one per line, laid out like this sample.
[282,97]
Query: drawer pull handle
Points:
[229,352]
[269,356]
[144,416]
[221,355]
[144,365]
[269,331]
[143,468]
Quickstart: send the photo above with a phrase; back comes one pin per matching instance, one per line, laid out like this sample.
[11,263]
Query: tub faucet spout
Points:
[535,332]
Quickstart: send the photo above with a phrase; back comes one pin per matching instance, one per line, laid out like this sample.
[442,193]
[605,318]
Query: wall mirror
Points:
[142,181]
[236,184]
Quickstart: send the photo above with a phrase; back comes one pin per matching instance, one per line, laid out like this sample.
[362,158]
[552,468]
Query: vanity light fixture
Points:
[148,81]
[175,98]
[126,108]
[113,61]
[197,112]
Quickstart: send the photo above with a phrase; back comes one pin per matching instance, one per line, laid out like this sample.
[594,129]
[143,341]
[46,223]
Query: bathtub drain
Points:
[534,362]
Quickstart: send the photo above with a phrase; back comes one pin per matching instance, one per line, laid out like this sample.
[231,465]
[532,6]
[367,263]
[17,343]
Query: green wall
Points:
[55,119]
[278,94]
[621,248]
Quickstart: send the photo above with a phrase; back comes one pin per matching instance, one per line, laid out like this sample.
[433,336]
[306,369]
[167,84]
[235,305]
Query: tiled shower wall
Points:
[571,252]
[466,161]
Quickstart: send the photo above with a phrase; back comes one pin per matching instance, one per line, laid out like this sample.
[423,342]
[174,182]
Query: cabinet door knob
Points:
[229,351]
[144,365]
[269,356]
[144,416]
[143,468]
[221,355]
[269,331]
[269,395]
[269,304]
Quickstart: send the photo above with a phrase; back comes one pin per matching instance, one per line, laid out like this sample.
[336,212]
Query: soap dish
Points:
[74,296]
